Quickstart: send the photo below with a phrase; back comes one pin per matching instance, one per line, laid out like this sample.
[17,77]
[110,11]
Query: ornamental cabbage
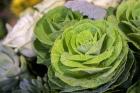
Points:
[128,13]
[49,27]
[90,57]
[11,68]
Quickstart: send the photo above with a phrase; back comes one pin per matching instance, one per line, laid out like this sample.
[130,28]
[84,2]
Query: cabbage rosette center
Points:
[88,55]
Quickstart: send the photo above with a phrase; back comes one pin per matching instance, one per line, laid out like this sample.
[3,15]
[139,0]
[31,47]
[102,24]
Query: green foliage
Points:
[38,85]
[134,88]
[2,29]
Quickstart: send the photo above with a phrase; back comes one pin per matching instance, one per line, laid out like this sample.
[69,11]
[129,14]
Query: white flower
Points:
[21,37]
[105,3]
[46,5]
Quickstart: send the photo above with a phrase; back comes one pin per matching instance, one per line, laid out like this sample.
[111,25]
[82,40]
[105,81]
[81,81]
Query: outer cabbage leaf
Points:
[43,52]
[90,57]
